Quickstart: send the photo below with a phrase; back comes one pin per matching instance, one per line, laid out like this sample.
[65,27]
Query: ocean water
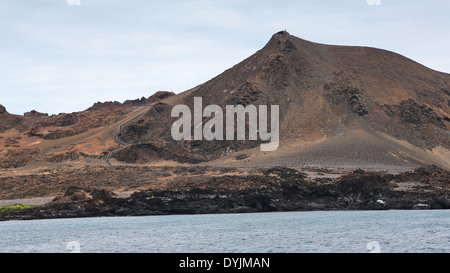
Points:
[424,231]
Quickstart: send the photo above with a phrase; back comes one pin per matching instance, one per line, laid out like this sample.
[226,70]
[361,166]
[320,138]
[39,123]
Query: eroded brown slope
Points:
[79,136]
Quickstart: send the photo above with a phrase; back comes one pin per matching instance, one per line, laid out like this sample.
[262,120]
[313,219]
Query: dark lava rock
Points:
[277,189]
[2,110]
[411,112]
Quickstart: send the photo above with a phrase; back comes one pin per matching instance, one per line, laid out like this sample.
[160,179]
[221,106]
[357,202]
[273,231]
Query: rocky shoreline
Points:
[276,189]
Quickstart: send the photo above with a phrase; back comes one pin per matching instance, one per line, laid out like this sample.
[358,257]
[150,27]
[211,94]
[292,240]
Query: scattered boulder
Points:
[77,194]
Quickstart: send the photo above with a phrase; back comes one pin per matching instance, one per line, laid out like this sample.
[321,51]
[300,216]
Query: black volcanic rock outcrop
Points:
[276,189]
[7,120]
[2,110]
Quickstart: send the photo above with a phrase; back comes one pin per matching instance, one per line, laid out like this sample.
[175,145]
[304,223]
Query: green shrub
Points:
[14,207]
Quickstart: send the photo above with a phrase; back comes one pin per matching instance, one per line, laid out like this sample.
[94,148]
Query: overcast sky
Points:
[56,57]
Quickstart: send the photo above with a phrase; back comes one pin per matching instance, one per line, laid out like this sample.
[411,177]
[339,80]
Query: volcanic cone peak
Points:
[280,36]
[340,95]
[284,42]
